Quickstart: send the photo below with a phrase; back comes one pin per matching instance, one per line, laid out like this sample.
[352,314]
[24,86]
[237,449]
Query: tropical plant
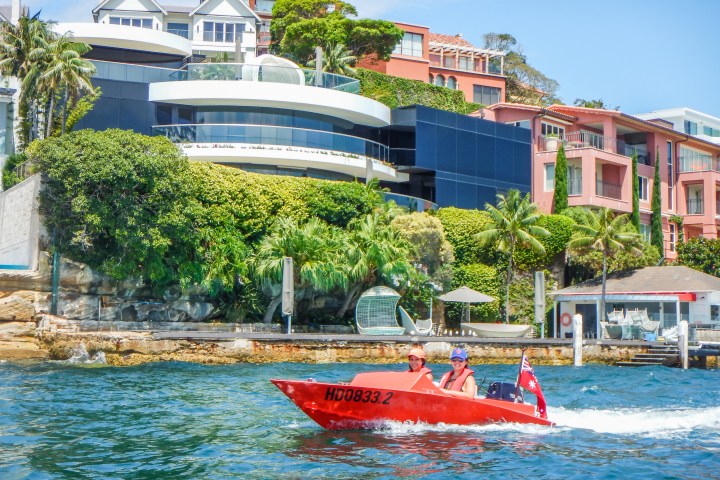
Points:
[513,224]
[376,254]
[656,233]
[602,231]
[336,59]
[596,103]
[66,73]
[21,45]
[314,247]
[560,194]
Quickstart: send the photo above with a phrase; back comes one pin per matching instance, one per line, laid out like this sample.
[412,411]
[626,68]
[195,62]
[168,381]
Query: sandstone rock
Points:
[19,305]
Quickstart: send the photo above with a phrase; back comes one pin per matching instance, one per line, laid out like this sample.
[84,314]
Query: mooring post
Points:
[577,326]
[683,343]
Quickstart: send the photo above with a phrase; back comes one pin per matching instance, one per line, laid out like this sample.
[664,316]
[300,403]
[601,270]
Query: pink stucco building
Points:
[599,145]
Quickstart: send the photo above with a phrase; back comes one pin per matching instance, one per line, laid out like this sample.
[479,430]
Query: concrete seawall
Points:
[130,348]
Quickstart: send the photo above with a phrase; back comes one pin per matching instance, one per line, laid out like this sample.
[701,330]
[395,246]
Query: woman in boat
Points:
[416,359]
[459,382]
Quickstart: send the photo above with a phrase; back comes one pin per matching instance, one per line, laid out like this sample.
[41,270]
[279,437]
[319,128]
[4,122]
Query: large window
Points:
[690,127]
[220,32]
[466,63]
[452,83]
[645,231]
[549,177]
[181,29]
[485,95]
[672,238]
[711,132]
[643,188]
[132,22]
[410,45]
[440,81]
[550,129]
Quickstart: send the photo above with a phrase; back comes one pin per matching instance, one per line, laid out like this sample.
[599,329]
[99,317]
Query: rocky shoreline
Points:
[55,338]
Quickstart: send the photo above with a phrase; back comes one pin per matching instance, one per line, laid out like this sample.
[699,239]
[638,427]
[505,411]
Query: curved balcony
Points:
[286,146]
[123,36]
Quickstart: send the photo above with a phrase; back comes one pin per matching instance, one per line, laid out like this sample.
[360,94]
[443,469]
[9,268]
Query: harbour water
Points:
[84,420]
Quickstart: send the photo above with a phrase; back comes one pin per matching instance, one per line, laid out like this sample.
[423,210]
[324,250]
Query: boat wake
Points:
[661,423]
[655,423]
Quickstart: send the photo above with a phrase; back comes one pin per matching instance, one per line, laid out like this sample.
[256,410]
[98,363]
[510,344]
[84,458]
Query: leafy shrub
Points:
[700,253]
[9,177]
[400,92]
[460,227]
[560,228]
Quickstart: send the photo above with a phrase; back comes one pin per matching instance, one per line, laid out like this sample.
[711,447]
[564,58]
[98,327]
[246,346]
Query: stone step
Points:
[637,364]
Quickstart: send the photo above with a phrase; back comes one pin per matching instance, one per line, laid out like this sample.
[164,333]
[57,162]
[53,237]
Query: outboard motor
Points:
[504,391]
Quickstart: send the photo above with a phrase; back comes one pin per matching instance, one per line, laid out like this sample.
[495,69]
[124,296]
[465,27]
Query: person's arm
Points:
[429,376]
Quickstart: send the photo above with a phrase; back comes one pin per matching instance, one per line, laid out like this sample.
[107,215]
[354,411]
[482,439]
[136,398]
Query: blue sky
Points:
[640,55]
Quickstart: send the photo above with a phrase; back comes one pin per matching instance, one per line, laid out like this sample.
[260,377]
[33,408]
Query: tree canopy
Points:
[299,26]
[525,84]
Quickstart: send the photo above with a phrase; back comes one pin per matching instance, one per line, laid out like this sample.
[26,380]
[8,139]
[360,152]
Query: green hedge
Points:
[560,228]
[460,227]
[400,92]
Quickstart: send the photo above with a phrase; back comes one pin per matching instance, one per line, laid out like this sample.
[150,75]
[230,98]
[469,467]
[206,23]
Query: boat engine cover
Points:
[504,391]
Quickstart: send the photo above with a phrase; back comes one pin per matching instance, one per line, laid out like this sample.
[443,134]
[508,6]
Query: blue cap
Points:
[458,353]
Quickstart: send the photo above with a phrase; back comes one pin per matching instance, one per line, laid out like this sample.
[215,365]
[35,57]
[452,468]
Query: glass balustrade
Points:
[225,71]
[273,135]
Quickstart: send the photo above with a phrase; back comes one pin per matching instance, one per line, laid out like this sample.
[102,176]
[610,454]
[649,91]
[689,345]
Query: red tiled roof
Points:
[456,40]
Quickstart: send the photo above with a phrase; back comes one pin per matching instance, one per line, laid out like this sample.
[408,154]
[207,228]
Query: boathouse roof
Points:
[648,280]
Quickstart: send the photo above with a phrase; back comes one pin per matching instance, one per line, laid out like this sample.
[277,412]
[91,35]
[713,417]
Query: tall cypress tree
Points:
[656,233]
[560,196]
[635,217]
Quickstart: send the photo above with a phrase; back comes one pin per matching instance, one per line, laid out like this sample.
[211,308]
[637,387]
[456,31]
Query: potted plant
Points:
[551,141]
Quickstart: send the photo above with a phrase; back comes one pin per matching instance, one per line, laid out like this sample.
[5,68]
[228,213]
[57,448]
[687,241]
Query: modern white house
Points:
[215,28]
[687,120]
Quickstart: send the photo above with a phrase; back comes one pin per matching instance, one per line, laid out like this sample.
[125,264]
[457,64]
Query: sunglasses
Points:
[457,360]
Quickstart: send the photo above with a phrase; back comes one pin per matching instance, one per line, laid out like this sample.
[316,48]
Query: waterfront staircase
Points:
[667,355]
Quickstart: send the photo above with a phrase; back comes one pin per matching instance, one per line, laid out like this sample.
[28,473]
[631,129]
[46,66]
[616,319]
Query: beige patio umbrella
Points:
[467,296]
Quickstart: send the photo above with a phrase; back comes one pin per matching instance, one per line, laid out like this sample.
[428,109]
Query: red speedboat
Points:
[373,398]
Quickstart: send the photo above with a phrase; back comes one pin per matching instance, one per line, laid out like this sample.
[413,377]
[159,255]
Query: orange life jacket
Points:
[459,382]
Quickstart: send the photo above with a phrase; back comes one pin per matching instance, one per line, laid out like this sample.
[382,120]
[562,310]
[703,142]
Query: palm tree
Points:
[314,248]
[21,46]
[602,231]
[513,224]
[65,72]
[337,59]
[376,253]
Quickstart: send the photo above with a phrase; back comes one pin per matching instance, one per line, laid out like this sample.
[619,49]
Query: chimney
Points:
[15,12]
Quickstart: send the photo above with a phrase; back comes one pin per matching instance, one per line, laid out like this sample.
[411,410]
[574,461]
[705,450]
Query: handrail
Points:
[268,134]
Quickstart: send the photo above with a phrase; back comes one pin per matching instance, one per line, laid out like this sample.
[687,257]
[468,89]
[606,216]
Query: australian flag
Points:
[528,381]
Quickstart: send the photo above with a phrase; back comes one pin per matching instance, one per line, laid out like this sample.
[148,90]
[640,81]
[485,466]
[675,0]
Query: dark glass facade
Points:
[457,160]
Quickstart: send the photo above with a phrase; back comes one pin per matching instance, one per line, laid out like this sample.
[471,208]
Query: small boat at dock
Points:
[496,330]
[374,398]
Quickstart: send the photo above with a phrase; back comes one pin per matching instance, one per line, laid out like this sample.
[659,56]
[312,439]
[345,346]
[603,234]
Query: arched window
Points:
[440,81]
[452,83]
[432,80]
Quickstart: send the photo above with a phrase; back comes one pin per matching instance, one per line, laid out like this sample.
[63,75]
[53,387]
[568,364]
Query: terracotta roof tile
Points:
[456,40]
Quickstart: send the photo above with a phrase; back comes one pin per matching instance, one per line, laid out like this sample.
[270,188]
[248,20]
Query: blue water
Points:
[187,421]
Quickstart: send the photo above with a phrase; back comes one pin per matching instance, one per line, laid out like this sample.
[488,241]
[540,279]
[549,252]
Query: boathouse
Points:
[664,295]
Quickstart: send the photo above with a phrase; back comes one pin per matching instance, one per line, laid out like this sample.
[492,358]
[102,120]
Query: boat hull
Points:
[496,330]
[372,399]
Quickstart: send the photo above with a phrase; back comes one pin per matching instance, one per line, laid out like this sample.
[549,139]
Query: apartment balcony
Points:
[582,139]
[607,189]
[127,37]
[695,207]
[491,68]
[699,163]
[286,147]
[575,186]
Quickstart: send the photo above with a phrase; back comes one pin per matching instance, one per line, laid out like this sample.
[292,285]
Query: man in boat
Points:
[416,359]
[459,382]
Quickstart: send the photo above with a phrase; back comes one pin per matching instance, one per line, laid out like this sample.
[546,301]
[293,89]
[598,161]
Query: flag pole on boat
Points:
[517,381]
